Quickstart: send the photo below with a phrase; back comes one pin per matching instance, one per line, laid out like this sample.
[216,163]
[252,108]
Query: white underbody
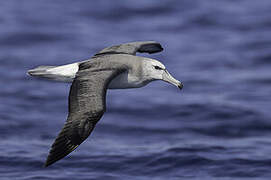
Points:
[66,73]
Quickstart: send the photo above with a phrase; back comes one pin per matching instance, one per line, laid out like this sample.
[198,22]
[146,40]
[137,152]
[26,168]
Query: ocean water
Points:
[218,126]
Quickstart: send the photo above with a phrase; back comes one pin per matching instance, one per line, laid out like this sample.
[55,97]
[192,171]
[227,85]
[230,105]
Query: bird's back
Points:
[131,78]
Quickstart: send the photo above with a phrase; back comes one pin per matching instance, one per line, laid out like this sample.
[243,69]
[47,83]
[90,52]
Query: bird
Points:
[115,67]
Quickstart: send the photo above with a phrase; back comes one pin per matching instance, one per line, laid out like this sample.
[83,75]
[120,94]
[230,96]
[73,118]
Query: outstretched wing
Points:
[86,107]
[133,47]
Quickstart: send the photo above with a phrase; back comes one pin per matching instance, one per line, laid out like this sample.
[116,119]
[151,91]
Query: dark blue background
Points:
[218,126]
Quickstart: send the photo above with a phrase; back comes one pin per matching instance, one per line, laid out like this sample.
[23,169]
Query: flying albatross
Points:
[115,67]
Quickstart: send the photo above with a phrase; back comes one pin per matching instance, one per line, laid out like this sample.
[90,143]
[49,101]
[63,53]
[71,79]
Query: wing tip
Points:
[46,164]
[51,159]
[152,47]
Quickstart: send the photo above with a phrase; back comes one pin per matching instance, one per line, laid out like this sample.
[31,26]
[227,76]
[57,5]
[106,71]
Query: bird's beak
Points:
[168,78]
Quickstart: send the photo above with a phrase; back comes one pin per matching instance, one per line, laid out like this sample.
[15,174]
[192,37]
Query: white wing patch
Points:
[64,73]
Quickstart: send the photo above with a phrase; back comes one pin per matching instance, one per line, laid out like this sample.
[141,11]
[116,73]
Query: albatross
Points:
[115,67]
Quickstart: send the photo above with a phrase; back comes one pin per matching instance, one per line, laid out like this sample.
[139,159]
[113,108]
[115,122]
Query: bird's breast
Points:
[126,80]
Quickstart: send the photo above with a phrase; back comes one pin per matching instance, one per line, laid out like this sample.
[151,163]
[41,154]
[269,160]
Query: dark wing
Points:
[133,47]
[86,107]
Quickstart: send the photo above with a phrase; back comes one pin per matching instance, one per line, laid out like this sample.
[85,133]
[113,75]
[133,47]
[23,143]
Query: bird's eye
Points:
[158,68]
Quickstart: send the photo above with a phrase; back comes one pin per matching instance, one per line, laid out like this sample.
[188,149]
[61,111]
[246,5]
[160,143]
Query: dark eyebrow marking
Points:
[158,68]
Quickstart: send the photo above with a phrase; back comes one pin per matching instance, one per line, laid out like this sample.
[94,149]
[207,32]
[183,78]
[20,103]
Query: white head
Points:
[155,70]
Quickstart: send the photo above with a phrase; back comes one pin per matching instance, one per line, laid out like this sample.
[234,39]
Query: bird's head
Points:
[155,70]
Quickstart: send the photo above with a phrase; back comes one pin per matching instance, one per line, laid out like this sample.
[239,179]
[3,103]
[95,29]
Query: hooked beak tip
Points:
[180,86]
[169,79]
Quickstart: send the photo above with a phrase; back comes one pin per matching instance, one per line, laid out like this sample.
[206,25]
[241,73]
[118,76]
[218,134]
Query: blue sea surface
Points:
[218,126]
